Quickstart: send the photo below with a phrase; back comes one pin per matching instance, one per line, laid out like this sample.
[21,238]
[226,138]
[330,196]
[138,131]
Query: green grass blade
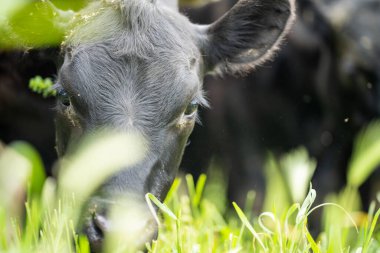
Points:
[261,222]
[313,245]
[173,190]
[365,155]
[164,208]
[245,221]
[190,186]
[199,189]
[370,233]
[306,205]
[178,230]
[339,207]
[289,213]
[83,244]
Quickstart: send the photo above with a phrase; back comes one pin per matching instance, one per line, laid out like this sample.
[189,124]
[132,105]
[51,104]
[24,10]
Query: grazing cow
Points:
[138,65]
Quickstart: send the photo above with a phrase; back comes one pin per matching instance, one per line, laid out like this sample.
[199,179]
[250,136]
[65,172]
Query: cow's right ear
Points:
[247,35]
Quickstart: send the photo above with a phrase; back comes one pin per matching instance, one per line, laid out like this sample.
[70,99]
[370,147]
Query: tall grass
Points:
[39,214]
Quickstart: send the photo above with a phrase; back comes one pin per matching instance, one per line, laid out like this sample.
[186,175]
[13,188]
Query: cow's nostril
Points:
[95,230]
[101,223]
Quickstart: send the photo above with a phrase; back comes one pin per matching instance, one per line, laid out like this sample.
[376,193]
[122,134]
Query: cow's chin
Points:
[125,225]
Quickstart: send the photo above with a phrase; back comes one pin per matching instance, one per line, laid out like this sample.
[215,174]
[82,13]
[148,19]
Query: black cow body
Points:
[304,97]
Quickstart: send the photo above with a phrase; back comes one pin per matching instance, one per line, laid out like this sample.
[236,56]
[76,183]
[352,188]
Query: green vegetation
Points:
[29,23]
[42,86]
[194,216]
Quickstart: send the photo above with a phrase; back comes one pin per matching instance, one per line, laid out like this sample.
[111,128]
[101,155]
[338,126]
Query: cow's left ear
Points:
[246,35]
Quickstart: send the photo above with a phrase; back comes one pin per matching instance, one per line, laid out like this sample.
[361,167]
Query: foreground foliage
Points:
[195,216]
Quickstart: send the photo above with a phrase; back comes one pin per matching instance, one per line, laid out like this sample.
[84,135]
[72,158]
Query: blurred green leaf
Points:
[74,5]
[8,7]
[216,187]
[298,169]
[34,23]
[98,157]
[337,215]
[37,174]
[42,86]
[288,179]
[365,155]
[82,246]
[277,196]
[15,170]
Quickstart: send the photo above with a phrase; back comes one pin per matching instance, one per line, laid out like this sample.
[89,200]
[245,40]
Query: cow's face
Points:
[138,66]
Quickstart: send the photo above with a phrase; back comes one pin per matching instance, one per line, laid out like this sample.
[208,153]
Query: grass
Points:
[194,216]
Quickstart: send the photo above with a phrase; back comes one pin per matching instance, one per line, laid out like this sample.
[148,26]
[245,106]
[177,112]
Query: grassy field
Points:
[39,214]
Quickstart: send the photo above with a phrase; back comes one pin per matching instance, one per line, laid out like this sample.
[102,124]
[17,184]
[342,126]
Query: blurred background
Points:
[319,91]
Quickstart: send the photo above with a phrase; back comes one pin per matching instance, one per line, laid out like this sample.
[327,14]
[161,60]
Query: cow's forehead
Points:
[132,26]
[142,61]
[98,67]
[137,34]
[149,90]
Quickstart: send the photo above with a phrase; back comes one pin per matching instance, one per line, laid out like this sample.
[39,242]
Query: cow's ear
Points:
[247,35]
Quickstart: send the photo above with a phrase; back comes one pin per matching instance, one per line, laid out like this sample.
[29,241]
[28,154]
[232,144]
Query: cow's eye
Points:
[63,97]
[191,108]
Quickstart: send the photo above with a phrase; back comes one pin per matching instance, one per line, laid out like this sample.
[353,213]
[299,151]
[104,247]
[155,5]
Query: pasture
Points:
[195,216]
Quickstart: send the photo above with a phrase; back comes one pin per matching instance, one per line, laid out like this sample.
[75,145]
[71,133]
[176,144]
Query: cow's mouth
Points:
[127,227]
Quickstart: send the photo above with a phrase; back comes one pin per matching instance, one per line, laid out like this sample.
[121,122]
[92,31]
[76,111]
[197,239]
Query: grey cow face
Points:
[138,65]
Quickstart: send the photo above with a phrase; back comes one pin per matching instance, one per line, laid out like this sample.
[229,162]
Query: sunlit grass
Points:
[194,217]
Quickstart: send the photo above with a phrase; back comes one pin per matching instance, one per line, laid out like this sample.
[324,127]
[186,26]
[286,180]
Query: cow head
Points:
[138,66]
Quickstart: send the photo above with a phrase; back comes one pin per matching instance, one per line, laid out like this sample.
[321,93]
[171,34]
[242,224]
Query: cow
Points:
[138,65]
